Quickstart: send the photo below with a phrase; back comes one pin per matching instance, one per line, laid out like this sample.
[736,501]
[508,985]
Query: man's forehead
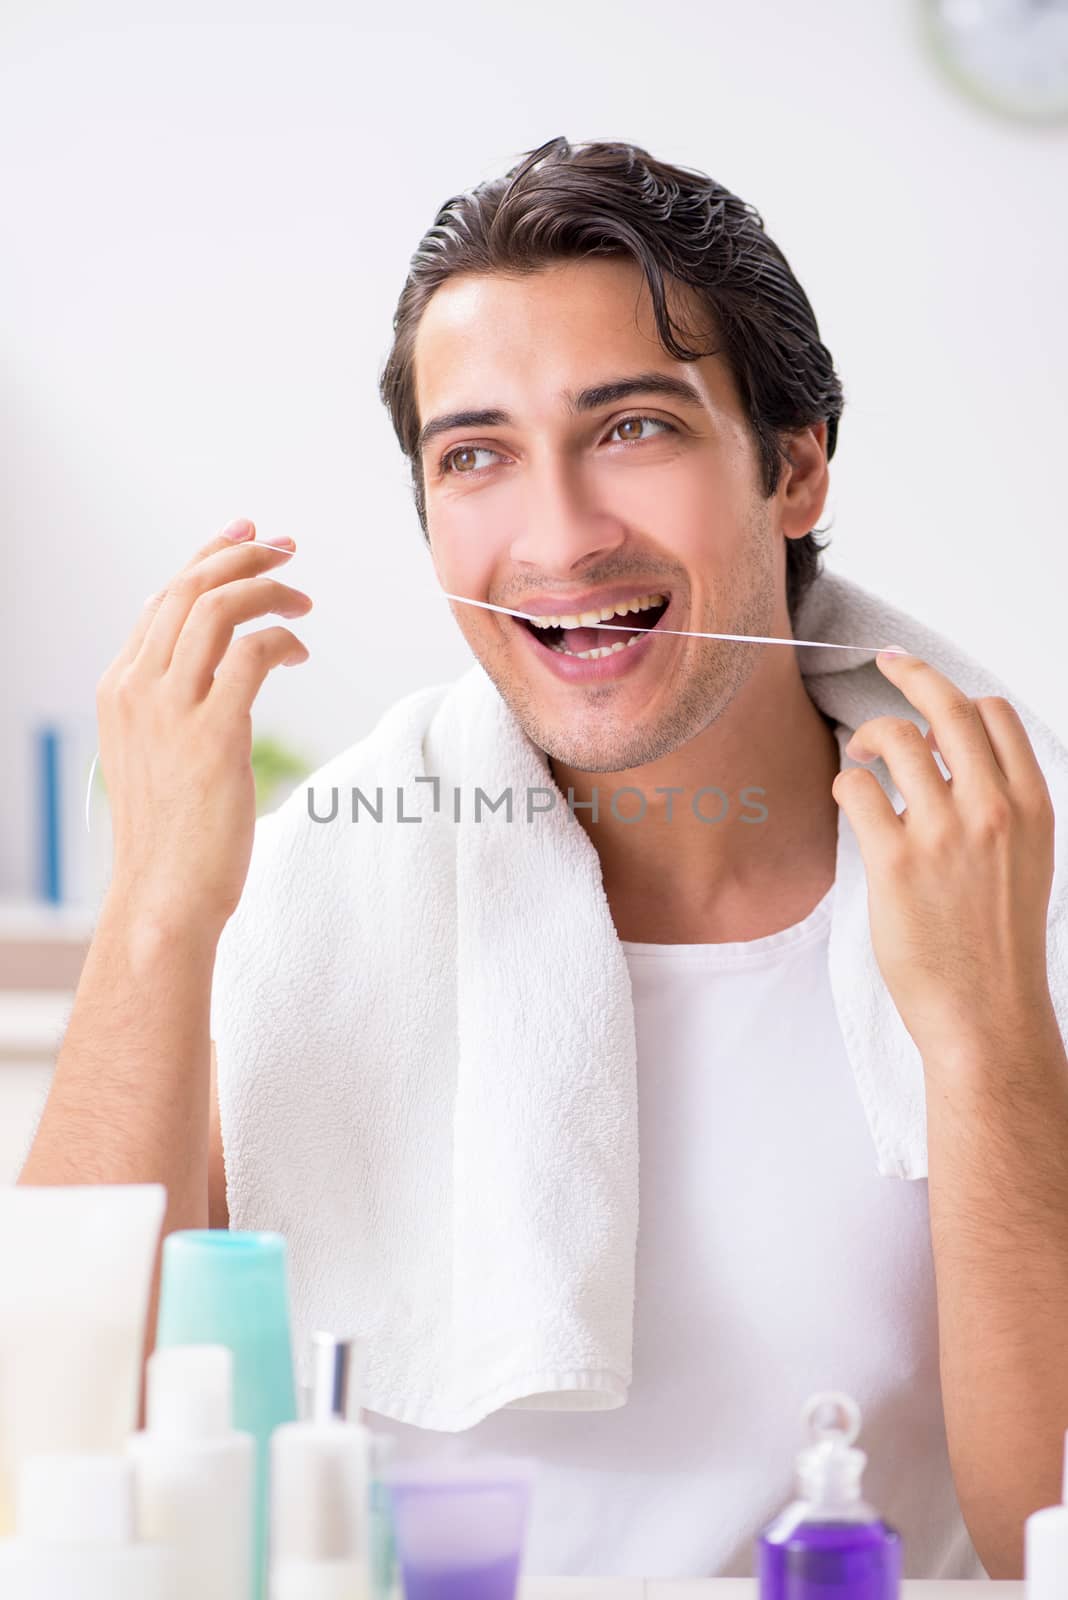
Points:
[576,279]
[479,333]
[611,293]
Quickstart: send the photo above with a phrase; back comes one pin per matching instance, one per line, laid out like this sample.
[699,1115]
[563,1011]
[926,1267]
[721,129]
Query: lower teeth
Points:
[594,655]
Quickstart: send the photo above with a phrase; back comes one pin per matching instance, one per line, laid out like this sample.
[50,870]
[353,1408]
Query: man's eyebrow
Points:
[591,399]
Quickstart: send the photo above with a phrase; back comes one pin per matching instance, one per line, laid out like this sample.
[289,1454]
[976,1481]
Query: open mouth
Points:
[590,643]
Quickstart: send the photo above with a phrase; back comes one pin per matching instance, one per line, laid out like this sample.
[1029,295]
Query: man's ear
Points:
[805,480]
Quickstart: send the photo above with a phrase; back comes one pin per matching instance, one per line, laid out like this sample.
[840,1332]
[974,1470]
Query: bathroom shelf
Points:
[43,946]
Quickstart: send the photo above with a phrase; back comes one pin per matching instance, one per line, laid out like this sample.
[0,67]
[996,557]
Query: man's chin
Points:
[579,729]
[601,748]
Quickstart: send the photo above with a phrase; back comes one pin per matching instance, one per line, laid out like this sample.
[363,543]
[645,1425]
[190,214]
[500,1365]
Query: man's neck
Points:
[672,877]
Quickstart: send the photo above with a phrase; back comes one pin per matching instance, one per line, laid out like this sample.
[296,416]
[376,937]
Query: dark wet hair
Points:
[564,201]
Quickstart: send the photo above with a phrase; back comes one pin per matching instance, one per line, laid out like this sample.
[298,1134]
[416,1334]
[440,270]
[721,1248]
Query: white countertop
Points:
[742,1589]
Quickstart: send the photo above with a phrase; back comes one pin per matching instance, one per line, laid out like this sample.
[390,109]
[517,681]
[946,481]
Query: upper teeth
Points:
[586,619]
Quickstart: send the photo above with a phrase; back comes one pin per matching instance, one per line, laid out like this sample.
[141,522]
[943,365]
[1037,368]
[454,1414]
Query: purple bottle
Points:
[829,1544]
[460,1525]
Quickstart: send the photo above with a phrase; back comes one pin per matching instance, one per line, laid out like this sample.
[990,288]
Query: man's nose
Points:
[563,523]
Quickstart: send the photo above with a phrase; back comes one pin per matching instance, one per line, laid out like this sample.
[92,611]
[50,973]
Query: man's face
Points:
[560,511]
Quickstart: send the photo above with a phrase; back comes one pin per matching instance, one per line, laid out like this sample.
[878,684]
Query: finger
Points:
[212,619]
[957,725]
[908,757]
[862,798]
[248,661]
[234,532]
[221,566]
[136,637]
[935,751]
[1012,748]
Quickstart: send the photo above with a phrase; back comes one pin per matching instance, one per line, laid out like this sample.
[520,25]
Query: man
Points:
[612,391]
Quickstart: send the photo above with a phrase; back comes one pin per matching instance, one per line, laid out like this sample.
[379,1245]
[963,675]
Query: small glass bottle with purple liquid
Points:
[829,1544]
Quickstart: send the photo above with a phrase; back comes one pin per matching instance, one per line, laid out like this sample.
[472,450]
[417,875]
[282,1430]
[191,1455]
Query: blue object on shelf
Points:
[51,881]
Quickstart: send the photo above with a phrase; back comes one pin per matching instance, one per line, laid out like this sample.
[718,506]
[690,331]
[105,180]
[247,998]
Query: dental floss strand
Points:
[683,633]
[486,605]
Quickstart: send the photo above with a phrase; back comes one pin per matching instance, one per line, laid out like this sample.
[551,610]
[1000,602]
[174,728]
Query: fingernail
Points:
[284,543]
[240,528]
[893,651]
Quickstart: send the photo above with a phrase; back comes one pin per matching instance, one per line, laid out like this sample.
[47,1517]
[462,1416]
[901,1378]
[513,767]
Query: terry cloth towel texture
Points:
[426,1043]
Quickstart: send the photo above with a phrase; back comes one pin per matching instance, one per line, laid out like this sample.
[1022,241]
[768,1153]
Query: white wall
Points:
[204,226]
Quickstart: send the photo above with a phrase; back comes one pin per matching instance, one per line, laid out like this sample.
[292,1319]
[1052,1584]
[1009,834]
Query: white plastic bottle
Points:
[75,1535]
[1046,1546]
[194,1473]
[337,1383]
[318,1528]
[320,1533]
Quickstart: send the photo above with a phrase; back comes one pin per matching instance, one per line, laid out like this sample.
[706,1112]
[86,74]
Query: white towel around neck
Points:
[426,1046]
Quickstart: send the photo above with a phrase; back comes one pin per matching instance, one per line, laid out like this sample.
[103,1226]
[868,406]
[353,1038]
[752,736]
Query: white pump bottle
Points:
[194,1473]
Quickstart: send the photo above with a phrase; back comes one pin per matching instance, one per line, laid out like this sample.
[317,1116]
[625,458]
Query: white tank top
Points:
[773,1261]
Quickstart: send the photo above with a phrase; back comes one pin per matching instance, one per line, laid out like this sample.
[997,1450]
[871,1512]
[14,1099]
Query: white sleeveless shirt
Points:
[772,1261]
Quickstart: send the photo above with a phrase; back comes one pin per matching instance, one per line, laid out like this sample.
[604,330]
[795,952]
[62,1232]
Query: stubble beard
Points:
[705,678]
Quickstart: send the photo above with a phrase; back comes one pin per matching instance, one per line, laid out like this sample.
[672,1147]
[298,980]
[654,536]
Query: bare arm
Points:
[997,1121]
[133,1098]
[129,1096]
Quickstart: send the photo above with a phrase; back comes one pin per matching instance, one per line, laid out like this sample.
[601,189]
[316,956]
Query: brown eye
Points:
[459,451]
[636,422]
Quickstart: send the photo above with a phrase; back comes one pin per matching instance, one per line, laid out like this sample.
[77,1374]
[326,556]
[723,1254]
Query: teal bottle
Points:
[231,1288]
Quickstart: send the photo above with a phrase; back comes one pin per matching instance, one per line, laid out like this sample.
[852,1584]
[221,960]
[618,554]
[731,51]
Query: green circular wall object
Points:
[1010,56]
